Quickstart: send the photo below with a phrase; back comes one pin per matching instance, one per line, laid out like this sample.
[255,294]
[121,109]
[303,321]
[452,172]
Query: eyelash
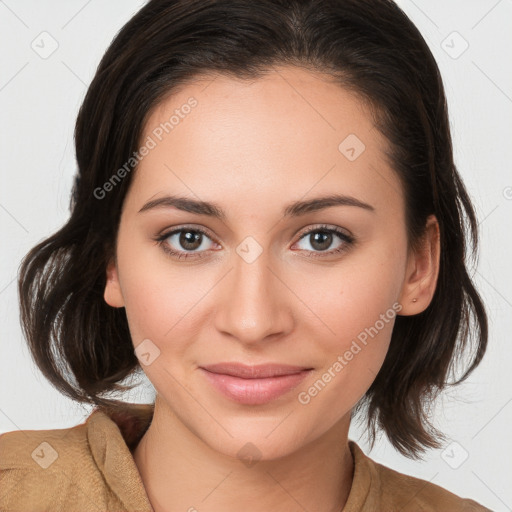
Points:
[348,241]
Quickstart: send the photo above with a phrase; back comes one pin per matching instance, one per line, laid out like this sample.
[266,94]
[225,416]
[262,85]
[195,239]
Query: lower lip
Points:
[254,391]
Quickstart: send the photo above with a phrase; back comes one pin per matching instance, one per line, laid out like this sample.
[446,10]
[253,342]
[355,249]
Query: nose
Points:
[254,302]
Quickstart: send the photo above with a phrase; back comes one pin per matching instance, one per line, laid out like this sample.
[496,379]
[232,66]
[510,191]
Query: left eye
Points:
[322,238]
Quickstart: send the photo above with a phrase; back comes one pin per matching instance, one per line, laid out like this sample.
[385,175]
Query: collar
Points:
[113,435]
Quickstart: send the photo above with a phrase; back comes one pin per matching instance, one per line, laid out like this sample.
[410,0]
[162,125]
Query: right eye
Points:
[190,239]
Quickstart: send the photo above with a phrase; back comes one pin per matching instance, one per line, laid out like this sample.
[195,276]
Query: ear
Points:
[113,294]
[422,271]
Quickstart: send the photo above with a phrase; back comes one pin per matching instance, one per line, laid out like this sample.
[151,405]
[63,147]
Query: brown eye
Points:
[185,242]
[190,240]
[322,238]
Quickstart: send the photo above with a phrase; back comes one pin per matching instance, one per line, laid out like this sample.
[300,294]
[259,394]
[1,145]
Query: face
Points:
[315,286]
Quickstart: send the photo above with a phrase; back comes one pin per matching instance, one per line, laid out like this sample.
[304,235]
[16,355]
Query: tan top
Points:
[90,467]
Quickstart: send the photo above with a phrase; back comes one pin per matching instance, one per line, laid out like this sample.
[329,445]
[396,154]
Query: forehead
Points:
[288,100]
[291,131]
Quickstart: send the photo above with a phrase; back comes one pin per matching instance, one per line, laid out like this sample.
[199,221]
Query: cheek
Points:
[158,295]
[355,295]
[355,345]
[161,308]
[355,309]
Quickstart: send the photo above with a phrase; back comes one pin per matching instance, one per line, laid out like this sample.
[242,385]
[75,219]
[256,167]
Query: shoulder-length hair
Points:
[83,346]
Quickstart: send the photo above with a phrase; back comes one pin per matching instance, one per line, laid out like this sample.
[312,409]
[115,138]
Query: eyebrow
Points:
[295,209]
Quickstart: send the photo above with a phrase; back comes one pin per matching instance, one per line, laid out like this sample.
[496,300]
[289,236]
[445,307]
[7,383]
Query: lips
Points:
[261,371]
[254,385]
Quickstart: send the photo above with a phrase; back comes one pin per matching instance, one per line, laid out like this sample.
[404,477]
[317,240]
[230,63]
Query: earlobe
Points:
[113,295]
[422,271]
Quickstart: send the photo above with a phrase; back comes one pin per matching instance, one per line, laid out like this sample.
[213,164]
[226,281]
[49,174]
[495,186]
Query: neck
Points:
[181,472]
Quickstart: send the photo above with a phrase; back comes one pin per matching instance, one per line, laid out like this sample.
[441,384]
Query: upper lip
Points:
[259,371]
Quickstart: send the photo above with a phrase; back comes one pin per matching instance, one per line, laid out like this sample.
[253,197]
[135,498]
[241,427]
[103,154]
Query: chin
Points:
[253,440]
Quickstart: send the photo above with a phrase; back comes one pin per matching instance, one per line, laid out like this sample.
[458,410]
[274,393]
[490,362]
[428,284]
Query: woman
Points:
[268,221]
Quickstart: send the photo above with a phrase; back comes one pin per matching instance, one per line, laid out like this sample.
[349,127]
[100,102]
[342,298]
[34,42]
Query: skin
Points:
[252,148]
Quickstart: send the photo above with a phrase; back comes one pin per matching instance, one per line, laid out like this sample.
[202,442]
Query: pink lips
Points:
[253,385]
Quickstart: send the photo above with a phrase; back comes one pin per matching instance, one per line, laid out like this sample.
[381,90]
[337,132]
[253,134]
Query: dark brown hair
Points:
[83,346]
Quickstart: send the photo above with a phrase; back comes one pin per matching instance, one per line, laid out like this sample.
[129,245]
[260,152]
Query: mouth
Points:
[261,371]
[254,385]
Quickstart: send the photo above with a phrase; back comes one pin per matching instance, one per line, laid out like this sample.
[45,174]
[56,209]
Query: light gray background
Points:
[39,100]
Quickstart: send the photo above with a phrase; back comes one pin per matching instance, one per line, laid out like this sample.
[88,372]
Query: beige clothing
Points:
[90,467]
